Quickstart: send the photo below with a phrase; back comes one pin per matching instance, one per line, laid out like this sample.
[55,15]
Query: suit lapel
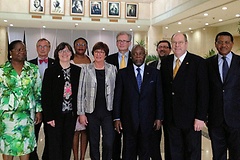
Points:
[92,72]
[146,76]
[132,77]
[215,67]
[233,67]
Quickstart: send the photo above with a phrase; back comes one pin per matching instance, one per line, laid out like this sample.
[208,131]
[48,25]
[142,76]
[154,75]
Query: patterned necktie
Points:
[43,60]
[139,79]
[224,68]
[122,63]
[175,70]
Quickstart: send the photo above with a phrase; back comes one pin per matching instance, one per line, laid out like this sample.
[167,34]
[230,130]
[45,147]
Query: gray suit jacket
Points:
[88,88]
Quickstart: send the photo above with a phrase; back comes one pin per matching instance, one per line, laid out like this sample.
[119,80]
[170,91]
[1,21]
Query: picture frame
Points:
[114,9]
[37,6]
[77,7]
[57,7]
[96,9]
[132,10]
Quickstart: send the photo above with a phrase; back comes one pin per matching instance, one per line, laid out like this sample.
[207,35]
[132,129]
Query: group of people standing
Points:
[121,99]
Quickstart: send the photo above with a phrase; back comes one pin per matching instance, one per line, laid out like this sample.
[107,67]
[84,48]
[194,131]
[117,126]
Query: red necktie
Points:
[43,60]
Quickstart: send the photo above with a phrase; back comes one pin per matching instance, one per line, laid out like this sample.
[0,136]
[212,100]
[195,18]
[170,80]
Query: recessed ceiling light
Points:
[76,24]
[206,24]
[166,27]
[204,29]
[224,8]
[179,31]
[189,28]
[130,29]
[11,25]
[103,29]
[220,20]
[43,26]
[205,14]
[179,22]
[237,15]
[5,21]
[138,26]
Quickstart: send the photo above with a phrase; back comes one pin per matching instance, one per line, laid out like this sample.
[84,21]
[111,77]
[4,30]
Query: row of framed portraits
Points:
[57,7]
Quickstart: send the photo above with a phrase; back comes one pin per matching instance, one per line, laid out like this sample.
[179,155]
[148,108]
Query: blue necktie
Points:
[139,79]
[224,68]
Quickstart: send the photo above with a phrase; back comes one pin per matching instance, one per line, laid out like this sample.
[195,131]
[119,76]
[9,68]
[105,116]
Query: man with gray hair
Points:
[121,59]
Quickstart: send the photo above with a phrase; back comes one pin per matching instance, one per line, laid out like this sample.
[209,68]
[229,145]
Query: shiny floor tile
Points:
[206,147]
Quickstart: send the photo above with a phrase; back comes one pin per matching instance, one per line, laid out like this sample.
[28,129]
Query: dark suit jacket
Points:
[185,96]
[52,91]
[35,61]
[138,109]
[154,64]
[224,101]
[113,59]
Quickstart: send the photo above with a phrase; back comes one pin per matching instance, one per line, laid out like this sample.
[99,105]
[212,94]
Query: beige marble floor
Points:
[206,147]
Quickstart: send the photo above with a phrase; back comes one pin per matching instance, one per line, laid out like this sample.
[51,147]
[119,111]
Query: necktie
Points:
[224,68]
[43,60]
[122,63]
[139,79]
[176,68]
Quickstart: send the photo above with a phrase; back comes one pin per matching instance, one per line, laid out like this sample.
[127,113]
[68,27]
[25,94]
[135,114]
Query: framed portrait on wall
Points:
[77,7]
[132,10]
[57,7]
[37,6]
[114,9]
[96,8]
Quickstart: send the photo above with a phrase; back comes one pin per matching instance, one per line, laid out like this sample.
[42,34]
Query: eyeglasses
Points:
[179,43]
[164,47]
[64,51]
[81,44]
[222,42]
[19,50]
[122,41]
[43,47]
[99,52]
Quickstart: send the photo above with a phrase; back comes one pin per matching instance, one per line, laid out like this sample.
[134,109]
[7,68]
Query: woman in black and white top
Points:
[59,102]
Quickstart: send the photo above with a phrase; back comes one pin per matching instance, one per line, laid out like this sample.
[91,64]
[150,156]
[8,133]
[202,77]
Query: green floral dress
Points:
[20,98]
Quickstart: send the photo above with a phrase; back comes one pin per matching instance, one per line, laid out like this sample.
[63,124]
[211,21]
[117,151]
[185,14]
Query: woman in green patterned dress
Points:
[20,99]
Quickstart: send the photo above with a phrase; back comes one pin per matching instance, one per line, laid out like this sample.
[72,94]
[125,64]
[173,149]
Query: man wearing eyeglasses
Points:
[185,92]
[163,49]
[43,62]
[121,59]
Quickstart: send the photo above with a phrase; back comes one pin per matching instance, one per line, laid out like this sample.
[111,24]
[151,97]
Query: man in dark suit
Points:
[121,59]
[224,106]
[137,106]
[185,90]
[163,49]
[43,61]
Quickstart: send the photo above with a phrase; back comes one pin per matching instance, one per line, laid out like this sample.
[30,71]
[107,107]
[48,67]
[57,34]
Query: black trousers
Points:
[155,152]
[138,144]
[117,146]
[225,138]
[95,121]
[60,137]
[184,144]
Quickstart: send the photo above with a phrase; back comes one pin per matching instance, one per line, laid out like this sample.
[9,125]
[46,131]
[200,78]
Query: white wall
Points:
[56,36]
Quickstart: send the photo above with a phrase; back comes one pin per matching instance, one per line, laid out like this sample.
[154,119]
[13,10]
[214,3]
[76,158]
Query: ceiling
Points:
[191,17]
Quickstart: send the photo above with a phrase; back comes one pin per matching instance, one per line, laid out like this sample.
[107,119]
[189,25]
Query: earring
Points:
[10,57]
